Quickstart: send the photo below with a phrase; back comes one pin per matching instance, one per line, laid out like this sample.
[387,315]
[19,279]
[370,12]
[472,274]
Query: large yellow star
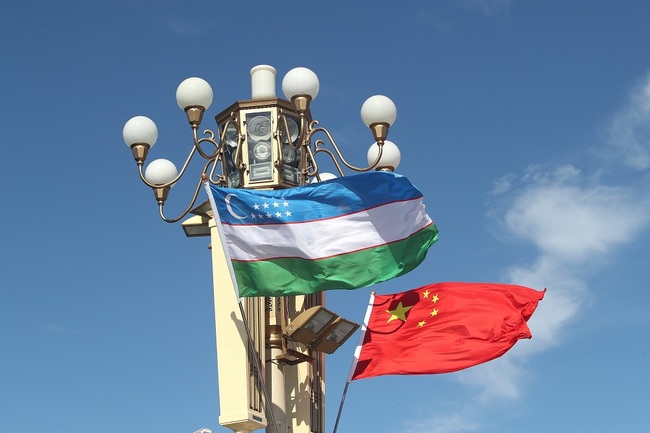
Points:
[399,312]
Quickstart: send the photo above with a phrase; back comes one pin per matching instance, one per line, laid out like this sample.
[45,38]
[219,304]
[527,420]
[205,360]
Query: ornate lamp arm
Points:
[161,205]
[165,190]
[175,179]
[209,139]
[318,147]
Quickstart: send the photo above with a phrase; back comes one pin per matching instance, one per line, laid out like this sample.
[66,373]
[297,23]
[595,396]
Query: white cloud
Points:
[575,221]
[503,184]
[629,130]
[568,217]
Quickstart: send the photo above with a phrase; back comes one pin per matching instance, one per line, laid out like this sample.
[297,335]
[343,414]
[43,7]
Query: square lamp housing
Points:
[267,135]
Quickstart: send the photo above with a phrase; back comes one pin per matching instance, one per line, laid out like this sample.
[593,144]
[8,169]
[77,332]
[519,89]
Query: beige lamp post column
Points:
[241,402]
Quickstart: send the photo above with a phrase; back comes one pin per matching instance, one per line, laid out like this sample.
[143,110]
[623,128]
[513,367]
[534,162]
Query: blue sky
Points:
[525,124]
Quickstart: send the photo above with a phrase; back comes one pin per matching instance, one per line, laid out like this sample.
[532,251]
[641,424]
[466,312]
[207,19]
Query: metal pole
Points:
[275,374]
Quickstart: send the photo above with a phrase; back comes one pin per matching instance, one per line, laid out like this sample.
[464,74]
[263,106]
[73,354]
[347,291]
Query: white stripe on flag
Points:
[330,237]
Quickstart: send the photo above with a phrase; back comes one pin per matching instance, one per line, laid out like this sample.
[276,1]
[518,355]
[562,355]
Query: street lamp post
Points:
[263,143]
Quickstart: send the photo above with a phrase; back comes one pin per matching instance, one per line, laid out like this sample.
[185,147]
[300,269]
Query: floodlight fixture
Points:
[320,329]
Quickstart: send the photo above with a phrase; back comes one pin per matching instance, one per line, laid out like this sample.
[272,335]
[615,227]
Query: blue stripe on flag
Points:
[328,199]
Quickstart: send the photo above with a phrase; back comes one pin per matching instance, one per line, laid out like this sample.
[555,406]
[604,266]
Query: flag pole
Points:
[251,344]
[338,415]
[355,358]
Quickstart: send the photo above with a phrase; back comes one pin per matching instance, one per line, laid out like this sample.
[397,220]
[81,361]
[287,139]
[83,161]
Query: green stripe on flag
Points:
[297,276]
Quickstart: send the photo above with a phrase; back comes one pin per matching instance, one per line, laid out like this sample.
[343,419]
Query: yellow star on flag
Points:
[399,312]
[434,299]
[426,293]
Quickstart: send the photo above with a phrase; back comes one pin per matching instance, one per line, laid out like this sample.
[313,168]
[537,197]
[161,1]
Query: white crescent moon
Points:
[229,207]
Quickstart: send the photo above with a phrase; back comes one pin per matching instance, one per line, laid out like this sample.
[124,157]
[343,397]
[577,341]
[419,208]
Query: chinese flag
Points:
[442,327]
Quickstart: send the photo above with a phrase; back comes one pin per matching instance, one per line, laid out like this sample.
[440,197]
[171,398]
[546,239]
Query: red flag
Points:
[442,328]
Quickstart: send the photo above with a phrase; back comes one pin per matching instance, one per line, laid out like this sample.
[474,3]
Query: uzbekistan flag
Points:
[344,233]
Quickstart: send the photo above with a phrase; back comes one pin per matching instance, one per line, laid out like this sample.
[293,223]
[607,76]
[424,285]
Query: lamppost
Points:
[263,143]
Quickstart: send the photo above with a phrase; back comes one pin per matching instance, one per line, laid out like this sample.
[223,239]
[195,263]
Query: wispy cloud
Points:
[58,329]
[458,422]
[568,215]
[574,219]
[488,7]
[629,130]
[183,26]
